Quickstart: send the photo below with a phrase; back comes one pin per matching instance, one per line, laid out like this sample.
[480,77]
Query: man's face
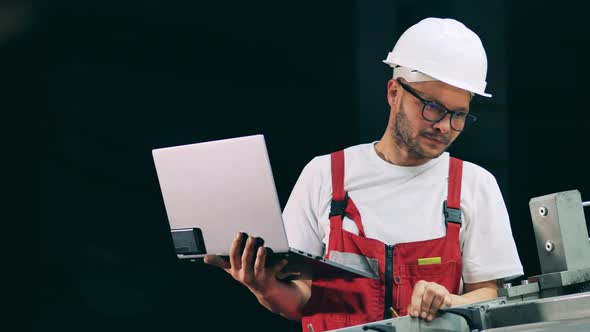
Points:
[424,139]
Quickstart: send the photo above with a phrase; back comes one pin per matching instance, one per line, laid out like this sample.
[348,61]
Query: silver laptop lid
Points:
[221,187]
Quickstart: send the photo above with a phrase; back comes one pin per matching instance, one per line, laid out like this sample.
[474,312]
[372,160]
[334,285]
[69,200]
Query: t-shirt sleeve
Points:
[300,215]
[489,251]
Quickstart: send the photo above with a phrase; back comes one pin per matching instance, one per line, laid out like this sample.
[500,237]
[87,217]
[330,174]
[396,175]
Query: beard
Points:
[402,134]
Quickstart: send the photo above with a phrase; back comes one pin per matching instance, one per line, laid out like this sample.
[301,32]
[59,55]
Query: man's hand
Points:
[247,264]
[427,298]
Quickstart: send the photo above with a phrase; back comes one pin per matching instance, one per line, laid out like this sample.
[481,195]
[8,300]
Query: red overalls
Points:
[339,303]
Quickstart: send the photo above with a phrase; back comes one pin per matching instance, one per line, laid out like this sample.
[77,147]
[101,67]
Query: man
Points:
[436,228]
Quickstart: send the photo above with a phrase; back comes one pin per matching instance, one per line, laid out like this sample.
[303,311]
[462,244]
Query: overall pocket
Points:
[444,274]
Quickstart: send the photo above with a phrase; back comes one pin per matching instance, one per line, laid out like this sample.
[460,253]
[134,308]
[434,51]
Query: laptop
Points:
[213,190]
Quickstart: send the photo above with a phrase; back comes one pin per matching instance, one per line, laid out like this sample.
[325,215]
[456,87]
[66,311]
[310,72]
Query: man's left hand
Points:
[427,298]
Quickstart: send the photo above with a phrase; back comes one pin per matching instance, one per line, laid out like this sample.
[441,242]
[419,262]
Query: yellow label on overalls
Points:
[429,260]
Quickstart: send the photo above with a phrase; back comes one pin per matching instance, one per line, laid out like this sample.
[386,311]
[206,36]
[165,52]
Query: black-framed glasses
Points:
[434,112]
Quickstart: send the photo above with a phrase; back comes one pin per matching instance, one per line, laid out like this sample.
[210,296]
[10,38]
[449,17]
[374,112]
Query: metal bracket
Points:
[471,316]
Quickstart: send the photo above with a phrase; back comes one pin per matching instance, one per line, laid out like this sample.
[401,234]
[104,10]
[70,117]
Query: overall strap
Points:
[455,177]
[341,205]
[452,206]
[337,159]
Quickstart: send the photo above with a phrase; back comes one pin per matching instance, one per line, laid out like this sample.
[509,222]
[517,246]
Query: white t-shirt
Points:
[404,204]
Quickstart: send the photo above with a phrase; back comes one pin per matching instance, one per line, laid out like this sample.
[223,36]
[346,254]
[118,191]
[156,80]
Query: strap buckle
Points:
[338,208]
[451,214]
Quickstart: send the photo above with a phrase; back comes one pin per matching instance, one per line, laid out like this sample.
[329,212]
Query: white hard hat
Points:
[436,49]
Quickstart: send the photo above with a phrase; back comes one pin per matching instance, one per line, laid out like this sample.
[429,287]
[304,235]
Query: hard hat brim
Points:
[455,83]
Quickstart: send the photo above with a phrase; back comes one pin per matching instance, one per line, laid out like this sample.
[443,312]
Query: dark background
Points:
[107,81]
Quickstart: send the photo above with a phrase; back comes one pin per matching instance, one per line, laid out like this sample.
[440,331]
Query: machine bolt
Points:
[549,246]
[543,211]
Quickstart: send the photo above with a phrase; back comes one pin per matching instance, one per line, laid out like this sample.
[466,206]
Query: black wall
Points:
[549,127]
[122,79]
[109,81]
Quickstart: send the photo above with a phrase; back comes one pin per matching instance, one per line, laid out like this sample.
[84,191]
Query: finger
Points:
[258,243]
[437,302]
[260,262]
[448,301]
[280,265]
[217,261]
[427,298]
[279,273]
[248,257]
[235,252]
[273,261]
[416,301]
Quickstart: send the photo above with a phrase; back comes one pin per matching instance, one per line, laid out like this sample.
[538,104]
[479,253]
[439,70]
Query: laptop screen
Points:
[221,188]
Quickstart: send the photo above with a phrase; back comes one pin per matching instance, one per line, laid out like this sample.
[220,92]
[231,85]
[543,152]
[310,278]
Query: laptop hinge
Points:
[188,241]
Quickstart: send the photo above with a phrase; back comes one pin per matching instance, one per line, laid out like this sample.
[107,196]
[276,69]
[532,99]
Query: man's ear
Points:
[393,91]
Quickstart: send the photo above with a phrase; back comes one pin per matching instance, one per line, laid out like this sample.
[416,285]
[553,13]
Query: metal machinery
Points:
[556,300]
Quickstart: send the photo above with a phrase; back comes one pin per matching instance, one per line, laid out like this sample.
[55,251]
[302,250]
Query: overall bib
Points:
[338,303]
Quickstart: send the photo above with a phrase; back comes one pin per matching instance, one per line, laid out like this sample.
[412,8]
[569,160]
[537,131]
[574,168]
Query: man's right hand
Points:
[247,264]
